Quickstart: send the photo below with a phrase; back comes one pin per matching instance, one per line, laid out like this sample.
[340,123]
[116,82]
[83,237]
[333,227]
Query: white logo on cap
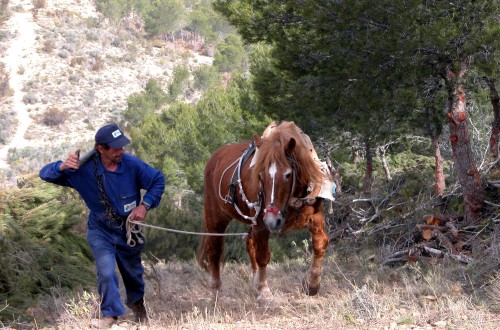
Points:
[116,133]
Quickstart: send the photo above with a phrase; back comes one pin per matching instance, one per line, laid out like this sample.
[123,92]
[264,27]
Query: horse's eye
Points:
[287,176]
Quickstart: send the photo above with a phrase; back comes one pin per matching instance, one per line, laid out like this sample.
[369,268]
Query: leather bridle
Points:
[275,210]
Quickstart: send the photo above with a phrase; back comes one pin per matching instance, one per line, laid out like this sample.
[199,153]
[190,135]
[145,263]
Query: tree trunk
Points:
[440,184]
[179,201]
[369,168]
[467,172]
[387,171]
[435,129]
[495,127]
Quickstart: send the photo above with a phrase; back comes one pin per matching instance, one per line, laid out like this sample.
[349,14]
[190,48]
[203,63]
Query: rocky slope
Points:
[71,70]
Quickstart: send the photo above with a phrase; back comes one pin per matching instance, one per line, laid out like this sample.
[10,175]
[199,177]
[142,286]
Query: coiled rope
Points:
[135,235]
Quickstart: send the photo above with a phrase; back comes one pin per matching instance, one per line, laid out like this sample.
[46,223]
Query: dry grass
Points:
[355,294]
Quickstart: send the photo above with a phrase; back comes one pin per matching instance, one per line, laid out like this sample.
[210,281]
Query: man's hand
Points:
[138,213]
[71,162]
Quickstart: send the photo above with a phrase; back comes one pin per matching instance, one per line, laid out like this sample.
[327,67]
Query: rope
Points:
[135,228]
[134,233]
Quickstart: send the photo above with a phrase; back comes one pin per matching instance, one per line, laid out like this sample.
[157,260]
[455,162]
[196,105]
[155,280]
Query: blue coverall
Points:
[107,238]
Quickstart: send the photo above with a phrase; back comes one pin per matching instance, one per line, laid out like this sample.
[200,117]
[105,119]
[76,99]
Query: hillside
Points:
[70,71]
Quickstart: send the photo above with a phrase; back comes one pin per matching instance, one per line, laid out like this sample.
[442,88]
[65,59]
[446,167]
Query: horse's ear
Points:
[290,147]
[257,139]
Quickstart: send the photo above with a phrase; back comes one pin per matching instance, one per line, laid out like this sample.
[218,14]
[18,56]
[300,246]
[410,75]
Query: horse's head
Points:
[275,169]
[286,166]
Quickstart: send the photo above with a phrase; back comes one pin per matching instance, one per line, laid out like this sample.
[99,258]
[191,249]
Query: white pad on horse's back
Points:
[326,191]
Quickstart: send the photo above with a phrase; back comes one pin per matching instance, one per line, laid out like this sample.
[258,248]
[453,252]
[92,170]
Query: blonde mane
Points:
[272,149]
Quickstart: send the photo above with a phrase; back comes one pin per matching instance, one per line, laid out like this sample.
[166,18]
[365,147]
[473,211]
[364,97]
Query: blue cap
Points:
[112,136]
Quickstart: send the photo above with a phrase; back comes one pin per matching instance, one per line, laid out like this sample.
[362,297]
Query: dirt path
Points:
[20,54]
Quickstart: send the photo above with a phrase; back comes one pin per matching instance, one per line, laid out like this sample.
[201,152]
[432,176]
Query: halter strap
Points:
[275,210]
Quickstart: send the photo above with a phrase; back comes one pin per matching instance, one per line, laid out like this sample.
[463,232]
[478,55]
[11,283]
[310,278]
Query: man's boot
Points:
[141,316]
[103,323]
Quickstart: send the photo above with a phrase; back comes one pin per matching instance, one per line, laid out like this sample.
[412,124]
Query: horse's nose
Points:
[273,220]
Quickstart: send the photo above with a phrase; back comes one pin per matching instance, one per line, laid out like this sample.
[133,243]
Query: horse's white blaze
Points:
[272,172]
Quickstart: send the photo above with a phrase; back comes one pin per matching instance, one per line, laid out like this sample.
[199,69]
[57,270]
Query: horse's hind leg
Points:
[259,253]
[316,226]
[210,253]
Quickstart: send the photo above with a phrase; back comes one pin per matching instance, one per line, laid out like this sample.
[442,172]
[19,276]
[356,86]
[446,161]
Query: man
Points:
[110,183]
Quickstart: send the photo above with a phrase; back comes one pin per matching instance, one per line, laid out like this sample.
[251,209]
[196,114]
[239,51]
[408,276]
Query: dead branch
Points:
[491,203]
[495,184]
[400,256]
[431,227]
[444,241]
[459,257]
[453,229]
[377,206]
[387,227]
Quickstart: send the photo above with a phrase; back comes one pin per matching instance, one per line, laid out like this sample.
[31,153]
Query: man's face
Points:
[111,155]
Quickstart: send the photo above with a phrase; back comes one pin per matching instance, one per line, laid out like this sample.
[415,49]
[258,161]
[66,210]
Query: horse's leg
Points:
[259,253]
[210,254]
[316,226]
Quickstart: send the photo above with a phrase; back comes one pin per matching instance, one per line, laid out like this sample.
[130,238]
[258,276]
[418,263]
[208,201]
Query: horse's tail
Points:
[202,251]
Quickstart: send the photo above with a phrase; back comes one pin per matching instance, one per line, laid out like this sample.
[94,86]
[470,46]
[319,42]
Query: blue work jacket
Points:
[122,187]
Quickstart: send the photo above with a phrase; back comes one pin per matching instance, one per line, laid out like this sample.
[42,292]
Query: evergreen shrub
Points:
[43,245]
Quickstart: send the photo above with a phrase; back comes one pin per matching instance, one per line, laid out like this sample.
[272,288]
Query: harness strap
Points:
[236,177]
[236,180]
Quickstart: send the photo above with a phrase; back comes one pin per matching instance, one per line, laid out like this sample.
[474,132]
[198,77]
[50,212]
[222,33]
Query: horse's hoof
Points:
[308,289]
[264,296]
[214,284]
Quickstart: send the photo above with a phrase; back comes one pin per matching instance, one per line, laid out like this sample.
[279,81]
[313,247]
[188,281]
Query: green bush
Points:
[30,98]
[42,244]
[180,81]
[206,77]
[230,55]
[147,102]
[54,117]
[7,125]
[4,81]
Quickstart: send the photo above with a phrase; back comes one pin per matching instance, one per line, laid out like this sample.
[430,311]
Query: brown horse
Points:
[265,183]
